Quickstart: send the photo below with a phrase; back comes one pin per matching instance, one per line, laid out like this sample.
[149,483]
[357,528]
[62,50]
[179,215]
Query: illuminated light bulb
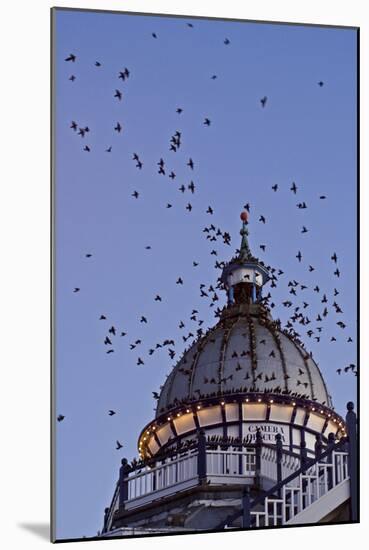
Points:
[222,403]
[259,400]
[187,410]
[271,401]
[329,415]
[199,406]
[247,400]
[144,438]
[178,414]
[168,418]
[313,408]
[293,403]
[148,433]
[321,412]
[154,427]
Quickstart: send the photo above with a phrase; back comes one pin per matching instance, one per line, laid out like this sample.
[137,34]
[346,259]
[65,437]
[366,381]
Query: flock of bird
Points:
[193,329]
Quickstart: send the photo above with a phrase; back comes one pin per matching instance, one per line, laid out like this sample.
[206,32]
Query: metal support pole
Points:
[246,515]
[331,443]
[123,482]
[351,421]
[259,442]
[278,440]
[201,456]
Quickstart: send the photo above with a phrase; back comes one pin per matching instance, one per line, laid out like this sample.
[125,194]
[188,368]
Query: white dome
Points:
[245,352]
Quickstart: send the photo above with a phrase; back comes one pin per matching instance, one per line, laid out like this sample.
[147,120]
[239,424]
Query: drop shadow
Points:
[42,530]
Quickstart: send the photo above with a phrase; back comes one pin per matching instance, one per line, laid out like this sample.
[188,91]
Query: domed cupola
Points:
[246,374]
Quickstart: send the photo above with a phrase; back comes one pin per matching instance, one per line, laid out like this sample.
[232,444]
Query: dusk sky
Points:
[305,134]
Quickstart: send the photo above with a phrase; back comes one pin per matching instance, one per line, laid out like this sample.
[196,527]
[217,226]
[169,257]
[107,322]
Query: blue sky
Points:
[306,133]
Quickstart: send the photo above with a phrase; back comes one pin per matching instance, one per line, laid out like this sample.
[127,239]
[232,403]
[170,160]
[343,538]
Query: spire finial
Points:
[245,252]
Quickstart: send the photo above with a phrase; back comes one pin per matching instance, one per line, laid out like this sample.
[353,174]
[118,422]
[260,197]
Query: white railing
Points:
[302,491]
[171,472]
[231,462]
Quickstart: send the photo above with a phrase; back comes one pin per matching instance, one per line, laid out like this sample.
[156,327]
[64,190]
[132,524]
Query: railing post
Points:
[318,445]
[123,482]
[201,456]
[106,515]
[246,515]
[258,445]
[278,440]
[352,459]
[303,455]
[330,446]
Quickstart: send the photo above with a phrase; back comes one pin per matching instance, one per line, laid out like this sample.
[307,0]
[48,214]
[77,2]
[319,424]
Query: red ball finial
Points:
[244,216]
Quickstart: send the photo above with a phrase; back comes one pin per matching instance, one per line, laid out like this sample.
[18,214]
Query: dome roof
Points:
[245,351]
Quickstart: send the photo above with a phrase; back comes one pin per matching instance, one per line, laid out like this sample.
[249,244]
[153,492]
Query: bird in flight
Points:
[97,64]
[263,101]
[179,110]
[334,257]
[210,210]
[118,94]
[262,219]
[112,330]
[72,77]
[102,317]
[189,207]
[111,412]
[108,150]
[275,187]
[299,256]
[118,127]
[86,148]
[60,418]
[153,35]
[190,163]
[322,197]
[107,341]
[293,187]
[320,83]
[304,230]
[207,122]
[226,41]
[76,289]
[179,281]
[71,57]
[135,194]
[213,77]
[191,187]
[143,319]
[119,445]
[73,125]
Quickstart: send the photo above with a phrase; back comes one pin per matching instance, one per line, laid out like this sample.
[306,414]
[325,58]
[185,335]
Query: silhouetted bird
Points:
[190,163]
[71,57]
[60,418]
[320,83]
[294,187]
[111,412]
[97,64]
[275,187]
[72,78]
[143,320]
[76,289]
[135,194]
[118,94]
[179,110]
[226,41]
[263,101]
[102,317]
[299,256]
[207,122]
[119,445]
[118,127]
